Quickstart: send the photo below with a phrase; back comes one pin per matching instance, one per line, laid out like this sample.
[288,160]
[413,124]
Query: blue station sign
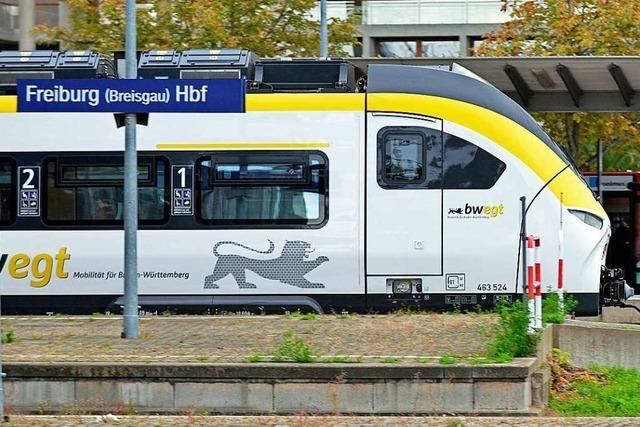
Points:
[132,96]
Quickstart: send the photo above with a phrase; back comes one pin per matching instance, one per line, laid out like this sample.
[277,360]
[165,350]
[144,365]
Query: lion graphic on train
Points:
[289,267]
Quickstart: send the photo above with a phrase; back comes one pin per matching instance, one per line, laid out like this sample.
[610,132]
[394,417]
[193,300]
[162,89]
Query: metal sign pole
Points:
[324,30]
[131,326]
[600,171]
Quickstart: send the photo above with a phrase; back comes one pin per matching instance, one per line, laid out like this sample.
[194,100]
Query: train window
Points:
[409,157]
[284,189]
[467,166]
[90,191]
[260,172]
[7,193]
[403,155]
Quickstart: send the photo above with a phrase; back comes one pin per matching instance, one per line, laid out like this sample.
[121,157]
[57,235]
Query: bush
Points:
[512,338]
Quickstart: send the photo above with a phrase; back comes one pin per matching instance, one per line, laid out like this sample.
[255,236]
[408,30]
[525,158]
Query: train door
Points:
[403,196]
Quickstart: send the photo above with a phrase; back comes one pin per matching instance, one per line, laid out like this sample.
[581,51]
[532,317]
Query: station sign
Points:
[611,182]
[131,96]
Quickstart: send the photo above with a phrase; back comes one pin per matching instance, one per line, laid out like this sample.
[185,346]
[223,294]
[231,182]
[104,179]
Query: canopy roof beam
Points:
[623,84]
[570,83]
[523,89]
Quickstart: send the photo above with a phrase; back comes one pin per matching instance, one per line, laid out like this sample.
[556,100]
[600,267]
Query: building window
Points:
[467,166]
[90,191]
[412,48]
[397,49]
[253,189]
[7,192]
[440,48]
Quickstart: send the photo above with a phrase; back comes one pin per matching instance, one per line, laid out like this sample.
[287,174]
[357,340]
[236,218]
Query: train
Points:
[401,187]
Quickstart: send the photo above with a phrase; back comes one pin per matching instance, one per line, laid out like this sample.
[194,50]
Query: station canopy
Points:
[551,84]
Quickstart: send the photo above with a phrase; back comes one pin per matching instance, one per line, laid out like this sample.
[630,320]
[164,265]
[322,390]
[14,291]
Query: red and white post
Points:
[538,284]
[531,283]
[561,260]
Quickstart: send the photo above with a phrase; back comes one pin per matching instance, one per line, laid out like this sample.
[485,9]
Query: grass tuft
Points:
[294,349]
[448,360]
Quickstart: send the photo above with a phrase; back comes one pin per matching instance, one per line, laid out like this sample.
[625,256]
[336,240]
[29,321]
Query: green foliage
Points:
[511,337]
[448,360]
[294,349]
[9,337]
[303,316]
[202,358]
[390,359]
[563,358]
[617,397]
[577,28]
[267,27]
[553,311]
[341,359]
[254,358]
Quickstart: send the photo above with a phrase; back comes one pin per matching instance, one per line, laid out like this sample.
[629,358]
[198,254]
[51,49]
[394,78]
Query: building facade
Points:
[390,28]
[421,28]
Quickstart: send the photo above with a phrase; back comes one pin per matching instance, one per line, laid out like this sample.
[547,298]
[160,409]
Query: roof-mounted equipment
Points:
[196,64]
[48,64]
[304,75]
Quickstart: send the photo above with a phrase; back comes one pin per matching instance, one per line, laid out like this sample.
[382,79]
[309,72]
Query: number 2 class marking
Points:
[28,183]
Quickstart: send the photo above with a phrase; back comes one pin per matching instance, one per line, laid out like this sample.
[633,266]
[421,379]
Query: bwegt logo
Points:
[491,211]
[39,268]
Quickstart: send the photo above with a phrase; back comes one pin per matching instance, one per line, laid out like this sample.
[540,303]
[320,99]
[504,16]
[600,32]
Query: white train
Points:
[406,193]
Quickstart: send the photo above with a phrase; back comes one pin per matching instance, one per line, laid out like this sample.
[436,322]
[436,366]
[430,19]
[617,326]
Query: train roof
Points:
[284,75]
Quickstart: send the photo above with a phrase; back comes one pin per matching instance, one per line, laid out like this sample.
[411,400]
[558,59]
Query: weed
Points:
[448,360]
[168,312]
[553,311]
[390,359]
[561,357]
[511,335]
[254,358]
[341,359]
[202,413]
[303,316]
[295,349]
[9,337]
[109,345]
[202,358]
[424,360]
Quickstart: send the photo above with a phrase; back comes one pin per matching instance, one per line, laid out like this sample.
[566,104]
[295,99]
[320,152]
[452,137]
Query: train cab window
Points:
[467,166]
[90,191]
[409,157]
[284,189]
[7,193]
[403,158]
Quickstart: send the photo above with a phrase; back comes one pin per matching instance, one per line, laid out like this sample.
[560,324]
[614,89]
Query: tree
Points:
[577,27]
[267,27]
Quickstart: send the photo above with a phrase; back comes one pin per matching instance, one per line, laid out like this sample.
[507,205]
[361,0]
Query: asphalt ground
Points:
[219,339]
[314,421]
